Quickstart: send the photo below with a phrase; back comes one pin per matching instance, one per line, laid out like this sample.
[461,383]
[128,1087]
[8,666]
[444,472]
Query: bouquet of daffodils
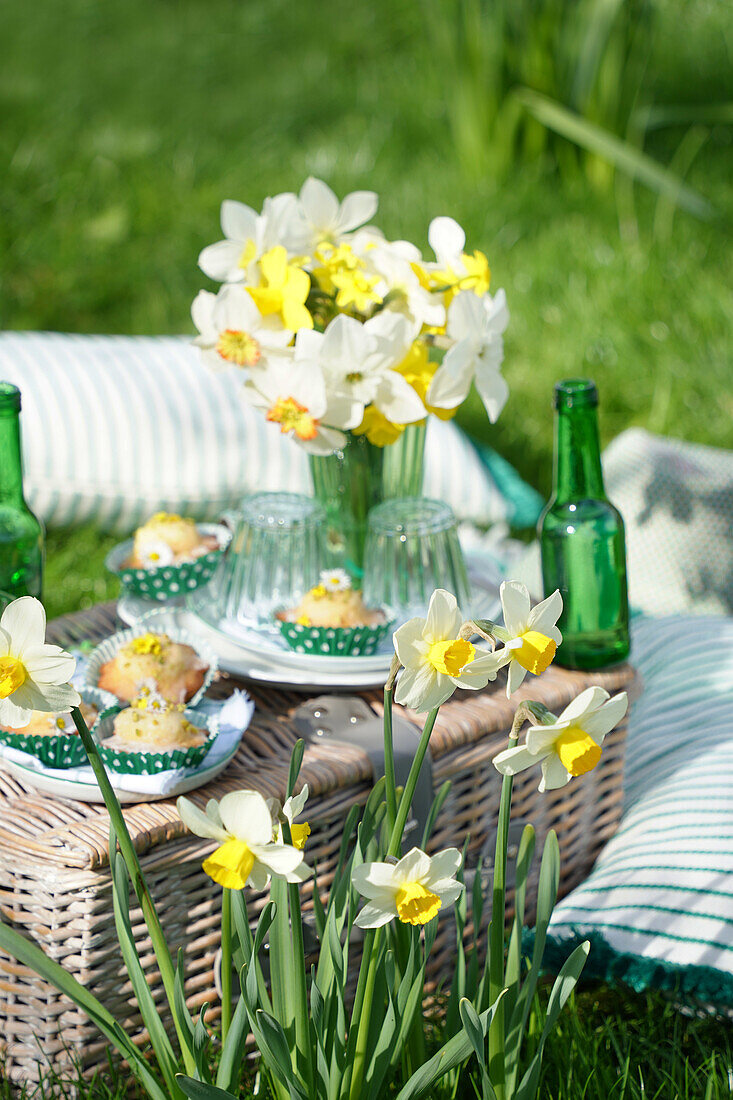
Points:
[340,330]
[316,1038]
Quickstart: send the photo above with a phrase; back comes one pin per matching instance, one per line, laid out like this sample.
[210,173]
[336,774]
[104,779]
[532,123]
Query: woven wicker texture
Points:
[54,873]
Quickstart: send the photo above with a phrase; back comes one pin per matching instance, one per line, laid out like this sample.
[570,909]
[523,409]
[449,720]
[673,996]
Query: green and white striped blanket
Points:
[658,907]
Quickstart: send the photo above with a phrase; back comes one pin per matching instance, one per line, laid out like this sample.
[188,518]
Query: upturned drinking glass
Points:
[411,549]
[277,551]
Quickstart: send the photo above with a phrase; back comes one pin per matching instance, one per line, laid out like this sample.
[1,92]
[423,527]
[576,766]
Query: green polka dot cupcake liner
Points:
[152,763]
[333,641]
[169,582]
[109,648]
[55,750]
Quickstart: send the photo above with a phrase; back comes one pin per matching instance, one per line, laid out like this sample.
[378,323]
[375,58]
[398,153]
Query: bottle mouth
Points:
[575,393]
[9,397]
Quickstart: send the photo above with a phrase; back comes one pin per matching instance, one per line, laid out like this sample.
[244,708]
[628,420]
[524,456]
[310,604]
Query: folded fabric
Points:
[658,906]
[118,427]
[677,502]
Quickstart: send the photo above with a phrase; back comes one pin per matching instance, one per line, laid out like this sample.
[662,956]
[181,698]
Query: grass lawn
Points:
[608,1045]
[125,125]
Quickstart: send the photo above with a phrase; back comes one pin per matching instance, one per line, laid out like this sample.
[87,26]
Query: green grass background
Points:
[124,125]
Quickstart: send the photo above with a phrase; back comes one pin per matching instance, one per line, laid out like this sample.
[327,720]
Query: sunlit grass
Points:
[125,125]
[608,1045]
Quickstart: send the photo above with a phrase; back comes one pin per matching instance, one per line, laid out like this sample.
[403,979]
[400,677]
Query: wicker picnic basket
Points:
[54,867]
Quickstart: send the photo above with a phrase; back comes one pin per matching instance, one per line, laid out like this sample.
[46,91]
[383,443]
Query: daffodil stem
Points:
[362,1011]
[139,885]
[302,1029]
[389,771]
[497,1065]
[226,963]
[496,939]
[403,809]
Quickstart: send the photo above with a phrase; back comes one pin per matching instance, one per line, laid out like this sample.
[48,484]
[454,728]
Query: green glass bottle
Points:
[582,538]
[21,534]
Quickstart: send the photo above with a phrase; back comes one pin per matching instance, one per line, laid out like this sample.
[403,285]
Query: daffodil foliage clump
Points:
[336,329]
[317,1038]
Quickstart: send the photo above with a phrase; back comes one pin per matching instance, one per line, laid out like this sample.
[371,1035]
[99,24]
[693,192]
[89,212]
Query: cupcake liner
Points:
[61,750]
[150,763]
[107,649]
[334,641]
[169,582]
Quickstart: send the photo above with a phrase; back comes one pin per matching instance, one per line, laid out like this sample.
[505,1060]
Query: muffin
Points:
[153,735]
[51,738]
[47,724]
[175,669]
[168,557]
[333,602]
[150,724]
[333,620]
[168,539]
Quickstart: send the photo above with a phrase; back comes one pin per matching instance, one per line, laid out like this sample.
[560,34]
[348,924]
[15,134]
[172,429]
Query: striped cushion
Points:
[117,427]
[658,906]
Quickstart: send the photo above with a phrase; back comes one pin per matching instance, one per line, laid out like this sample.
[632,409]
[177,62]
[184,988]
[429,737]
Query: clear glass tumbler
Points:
[411,549]
[277,551]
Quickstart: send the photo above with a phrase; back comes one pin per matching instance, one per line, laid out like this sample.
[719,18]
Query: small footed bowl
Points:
[55,750]
[169,582]
[333,641]
[151,763]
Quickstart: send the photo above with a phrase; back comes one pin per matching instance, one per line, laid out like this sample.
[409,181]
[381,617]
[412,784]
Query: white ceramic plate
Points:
[267,668]
[90,792]
[262,643]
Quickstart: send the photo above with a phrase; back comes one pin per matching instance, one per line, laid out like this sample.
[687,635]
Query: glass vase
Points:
[356,478]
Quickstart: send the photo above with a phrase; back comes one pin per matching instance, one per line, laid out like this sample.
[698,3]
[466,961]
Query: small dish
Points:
[127,762]
[62,749]
[170,581]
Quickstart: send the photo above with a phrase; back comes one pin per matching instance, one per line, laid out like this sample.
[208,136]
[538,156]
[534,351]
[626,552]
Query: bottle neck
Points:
[578,474]
[11,464]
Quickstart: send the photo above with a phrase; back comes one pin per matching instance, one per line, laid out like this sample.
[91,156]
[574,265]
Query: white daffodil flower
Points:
[358,362]
[571,746]
[448,241]
[413,890]
[318,215]
[530,634]
[293,807]
[247,236]
[232,331]
[455,269]
[33,675]
[436,660]
[247,855]
[476,326]
[294,395]
[400,288]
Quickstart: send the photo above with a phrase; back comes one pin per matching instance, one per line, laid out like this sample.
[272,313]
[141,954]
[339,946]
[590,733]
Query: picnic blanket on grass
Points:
[658,906]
